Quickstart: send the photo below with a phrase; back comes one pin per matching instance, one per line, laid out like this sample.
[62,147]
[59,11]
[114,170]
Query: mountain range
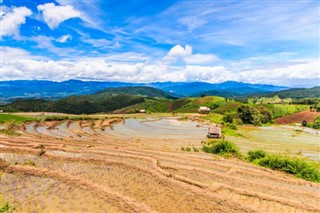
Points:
[36,89]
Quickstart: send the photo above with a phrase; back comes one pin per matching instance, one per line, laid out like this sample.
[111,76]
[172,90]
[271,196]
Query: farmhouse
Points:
[214,132]
[204,109]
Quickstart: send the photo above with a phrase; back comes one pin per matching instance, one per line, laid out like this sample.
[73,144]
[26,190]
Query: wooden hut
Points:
[214,132]
[204,110]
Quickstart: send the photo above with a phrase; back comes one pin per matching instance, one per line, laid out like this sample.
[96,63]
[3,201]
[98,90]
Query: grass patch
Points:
[213,117]
[256,154]
[296,166]
[6,118]
[73,118]
[9,132]
[230,132]
[5,207]
[224,148]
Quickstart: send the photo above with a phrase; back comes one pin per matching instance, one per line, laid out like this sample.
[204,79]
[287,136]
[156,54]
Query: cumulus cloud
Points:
[64,38]
[53,15]
[12,19]
[20,64]
[178,52]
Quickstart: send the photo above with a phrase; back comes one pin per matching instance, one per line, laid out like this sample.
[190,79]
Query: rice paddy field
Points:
[137,165]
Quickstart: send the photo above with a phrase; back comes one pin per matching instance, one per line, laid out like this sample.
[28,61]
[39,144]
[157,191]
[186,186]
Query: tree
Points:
[265,115]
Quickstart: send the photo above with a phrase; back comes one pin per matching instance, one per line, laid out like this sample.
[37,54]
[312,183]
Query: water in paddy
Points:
[165,128]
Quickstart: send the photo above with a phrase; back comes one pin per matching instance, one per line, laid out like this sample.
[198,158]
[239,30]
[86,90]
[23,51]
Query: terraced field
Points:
[137,165]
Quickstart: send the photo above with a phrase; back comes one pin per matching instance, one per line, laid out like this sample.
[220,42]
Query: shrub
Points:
[231,126]
[304,123]
[298,167]
[221,148]
[316,123]
[30,163]
[188,149]
[195,149]
[228,117]
[256,154]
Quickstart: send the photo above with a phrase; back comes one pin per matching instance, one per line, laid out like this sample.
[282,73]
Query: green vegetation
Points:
[297,93]
[279,110]
[194,103]
[221,148]
[299,167]
[214,117]
[296,166]
[150,92]
[73,118]
[256,154]
[86,104]
[5,207]
[5,118]
[228,107]
[30,163]
[316,123]
[9,132]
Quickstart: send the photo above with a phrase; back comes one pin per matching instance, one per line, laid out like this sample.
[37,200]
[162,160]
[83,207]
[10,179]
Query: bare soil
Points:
[298,117]
[83,166]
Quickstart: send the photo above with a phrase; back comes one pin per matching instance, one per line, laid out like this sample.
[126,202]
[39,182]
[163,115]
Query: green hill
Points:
[104,101]
[149,92]
[298,93]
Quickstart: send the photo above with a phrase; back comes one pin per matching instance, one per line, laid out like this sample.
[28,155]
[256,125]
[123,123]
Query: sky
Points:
[267,41]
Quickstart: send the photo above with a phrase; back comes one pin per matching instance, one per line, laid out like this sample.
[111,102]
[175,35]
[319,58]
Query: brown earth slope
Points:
[79,167]
[298,117]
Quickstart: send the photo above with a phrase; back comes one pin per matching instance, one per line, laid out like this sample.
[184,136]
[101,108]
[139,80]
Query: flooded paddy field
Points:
[137,165]
[289,140]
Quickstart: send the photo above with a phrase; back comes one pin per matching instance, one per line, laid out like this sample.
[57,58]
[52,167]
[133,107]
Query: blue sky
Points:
[271,42]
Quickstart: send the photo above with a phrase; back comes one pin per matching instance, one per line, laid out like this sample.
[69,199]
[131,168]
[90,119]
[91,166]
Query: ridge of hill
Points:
[41,89]
[297,93]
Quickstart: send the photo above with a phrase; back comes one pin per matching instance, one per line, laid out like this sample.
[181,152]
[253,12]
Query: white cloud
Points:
[185,53]
[201,58]
[53,15]
[192,22]
[98,43]
[20,64]
[10,54]
[179,51]
[12,19]
[64,38]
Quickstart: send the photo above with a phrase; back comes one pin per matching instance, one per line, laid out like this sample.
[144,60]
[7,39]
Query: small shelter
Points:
[204,110]
[214,132]
[142,111]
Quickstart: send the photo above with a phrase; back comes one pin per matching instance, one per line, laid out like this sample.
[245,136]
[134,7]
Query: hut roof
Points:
[214,130]
[204,108]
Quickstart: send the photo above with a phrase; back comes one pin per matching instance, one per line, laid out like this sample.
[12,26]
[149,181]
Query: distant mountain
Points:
[150,92]
[226,89]
[11,90]
[298,93]
[37,89]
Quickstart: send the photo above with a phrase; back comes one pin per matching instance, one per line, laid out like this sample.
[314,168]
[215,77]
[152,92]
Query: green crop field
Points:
[4,118]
